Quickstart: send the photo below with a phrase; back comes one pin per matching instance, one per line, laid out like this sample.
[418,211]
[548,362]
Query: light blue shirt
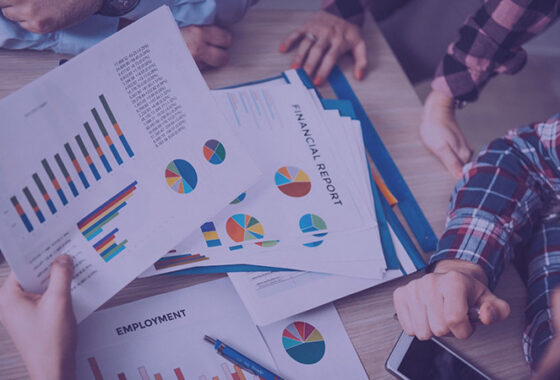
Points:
[95,28]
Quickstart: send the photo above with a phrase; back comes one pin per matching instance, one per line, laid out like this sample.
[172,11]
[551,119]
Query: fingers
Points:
[12,14]
[360,57]
[492,308]
[555,306]
[62,270]
[314,57]
[456,308]
[216,36]
[403,313]
[289,41]
[213,56]
[449,159]
[329,60]
[301,53]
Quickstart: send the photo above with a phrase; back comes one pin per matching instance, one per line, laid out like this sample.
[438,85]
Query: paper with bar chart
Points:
[162,337]
[99,157]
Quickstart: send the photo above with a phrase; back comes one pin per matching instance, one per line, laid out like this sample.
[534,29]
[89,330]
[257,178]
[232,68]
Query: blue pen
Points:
[242,361]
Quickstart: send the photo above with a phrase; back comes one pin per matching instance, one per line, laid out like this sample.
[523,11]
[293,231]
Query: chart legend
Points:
[292,181]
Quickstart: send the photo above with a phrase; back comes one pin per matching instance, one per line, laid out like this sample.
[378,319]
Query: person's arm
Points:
[494,207]
[327,36]
[42,17]
[489,44]
[43,326]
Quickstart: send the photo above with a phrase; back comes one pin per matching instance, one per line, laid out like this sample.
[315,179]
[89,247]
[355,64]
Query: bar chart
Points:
[142,373]
[92,225]
[177,260]
[61,182]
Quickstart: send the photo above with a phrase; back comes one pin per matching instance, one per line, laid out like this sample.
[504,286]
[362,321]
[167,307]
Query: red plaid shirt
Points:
[489,42]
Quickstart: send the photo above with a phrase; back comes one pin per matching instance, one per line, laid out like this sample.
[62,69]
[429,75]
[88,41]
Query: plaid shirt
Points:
[506,208]
[489,42]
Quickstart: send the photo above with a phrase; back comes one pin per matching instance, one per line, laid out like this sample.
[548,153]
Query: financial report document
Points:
[113,158]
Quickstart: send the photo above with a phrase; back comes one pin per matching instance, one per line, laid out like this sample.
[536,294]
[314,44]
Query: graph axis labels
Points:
[292,181]
[214,152]
[181,176]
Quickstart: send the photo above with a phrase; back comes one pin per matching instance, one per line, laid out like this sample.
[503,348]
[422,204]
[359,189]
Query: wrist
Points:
[465,267]
[439,99]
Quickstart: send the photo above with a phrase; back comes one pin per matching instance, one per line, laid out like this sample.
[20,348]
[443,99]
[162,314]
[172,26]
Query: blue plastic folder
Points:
[348,105]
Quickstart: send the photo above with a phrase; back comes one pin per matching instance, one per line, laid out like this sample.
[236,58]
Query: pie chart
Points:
[181,176]
[310,223]
[214,152]
[243,227]
[239,199]
[303,342]
[292,181]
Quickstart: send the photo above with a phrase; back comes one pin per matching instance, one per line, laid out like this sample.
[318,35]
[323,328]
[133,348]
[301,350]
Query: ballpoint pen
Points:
[242,361]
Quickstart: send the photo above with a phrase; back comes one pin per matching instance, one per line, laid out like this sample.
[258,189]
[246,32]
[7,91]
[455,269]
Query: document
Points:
[312,345]
[161,337]
[114,158]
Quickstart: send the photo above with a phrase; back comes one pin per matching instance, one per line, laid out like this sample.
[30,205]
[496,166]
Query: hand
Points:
[549,367]
[438,303]
[43,327]
[208,44]
[47,16]
[334,38]
[442,135]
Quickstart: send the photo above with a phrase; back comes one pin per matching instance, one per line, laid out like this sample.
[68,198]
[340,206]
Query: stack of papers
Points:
[311,210]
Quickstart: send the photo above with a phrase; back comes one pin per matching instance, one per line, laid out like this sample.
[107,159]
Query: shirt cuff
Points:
[80,37]
[352,11]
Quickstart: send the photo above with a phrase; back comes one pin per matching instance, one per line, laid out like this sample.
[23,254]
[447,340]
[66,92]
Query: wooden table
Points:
[395,110]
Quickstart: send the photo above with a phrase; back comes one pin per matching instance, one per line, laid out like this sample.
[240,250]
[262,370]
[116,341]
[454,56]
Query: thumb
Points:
[62,270]
[492,309]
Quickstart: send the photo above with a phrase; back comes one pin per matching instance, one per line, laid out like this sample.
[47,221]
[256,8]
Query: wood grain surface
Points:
[395,111]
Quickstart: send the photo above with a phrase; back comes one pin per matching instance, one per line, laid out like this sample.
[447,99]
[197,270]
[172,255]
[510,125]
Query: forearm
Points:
[498,201]
[490,43]
[350,10]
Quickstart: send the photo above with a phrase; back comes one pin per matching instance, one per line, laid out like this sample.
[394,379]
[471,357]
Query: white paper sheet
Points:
[165,116]
[164,335]
[313,346]
[272,296]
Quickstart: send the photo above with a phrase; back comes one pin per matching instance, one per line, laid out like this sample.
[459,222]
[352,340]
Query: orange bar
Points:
[19,210]
[239,372]
[76,165]
[46,197]
[179,374]
[88,160]
[99,151]
[384,190]
[158,376]
[117,129]
[56,184]
[108,139]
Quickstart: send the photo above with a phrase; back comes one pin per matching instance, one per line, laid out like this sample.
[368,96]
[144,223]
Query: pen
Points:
[242,361]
